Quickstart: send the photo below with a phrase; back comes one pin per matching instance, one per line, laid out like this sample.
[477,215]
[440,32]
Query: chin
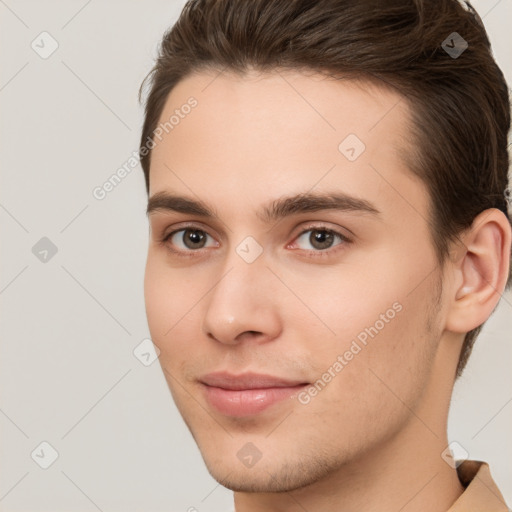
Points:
[256,481]
[270,475]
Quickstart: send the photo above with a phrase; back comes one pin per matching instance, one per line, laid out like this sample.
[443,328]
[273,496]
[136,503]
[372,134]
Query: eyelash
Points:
[318,253]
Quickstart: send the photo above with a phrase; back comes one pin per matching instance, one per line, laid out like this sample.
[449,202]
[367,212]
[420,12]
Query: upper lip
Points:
[247,381]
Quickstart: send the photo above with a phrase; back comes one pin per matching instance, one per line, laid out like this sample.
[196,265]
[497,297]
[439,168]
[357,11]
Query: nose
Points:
[243,304]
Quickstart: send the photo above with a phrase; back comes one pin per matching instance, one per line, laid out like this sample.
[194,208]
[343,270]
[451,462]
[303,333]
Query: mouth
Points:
[247,394]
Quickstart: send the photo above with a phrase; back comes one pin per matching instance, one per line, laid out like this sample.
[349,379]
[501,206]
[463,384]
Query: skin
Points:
[372,438]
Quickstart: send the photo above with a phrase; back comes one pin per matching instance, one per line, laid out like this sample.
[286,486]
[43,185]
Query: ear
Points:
[481,269]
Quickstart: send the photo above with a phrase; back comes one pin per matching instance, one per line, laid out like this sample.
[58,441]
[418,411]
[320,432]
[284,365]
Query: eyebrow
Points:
[274,211]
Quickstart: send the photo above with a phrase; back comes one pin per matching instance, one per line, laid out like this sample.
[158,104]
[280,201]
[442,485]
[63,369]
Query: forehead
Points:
[259,134]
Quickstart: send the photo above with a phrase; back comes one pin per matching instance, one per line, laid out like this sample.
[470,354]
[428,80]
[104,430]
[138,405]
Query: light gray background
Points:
[70,325]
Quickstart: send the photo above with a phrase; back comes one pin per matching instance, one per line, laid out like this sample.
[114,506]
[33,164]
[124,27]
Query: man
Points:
[329,231]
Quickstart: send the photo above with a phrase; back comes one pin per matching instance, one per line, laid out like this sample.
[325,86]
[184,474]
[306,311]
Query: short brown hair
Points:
[460,103]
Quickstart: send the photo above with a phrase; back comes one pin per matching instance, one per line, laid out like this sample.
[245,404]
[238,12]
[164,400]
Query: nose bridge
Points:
[240,299]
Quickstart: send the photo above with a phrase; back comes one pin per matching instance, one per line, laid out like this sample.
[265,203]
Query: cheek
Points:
[157,298]
[166,297]
[173,303]
[370,387]
[381,346]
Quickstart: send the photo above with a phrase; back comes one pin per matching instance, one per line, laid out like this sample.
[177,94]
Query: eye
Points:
[188,239]
[191,239]
[321,239]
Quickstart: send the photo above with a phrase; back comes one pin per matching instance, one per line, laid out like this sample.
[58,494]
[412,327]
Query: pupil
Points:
[322,238]
[194,237]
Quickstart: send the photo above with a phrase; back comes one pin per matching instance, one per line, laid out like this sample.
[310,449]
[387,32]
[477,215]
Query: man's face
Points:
[291,344]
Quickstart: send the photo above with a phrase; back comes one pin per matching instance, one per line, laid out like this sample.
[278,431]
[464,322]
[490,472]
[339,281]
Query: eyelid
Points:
[325,226]
[186,225]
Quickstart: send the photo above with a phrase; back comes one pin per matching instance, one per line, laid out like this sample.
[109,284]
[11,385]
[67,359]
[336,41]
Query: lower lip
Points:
[247,402]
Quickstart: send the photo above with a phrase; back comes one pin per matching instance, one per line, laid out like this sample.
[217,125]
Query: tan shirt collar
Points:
[481,493]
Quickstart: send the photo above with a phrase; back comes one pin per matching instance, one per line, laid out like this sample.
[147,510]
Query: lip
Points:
[248,393]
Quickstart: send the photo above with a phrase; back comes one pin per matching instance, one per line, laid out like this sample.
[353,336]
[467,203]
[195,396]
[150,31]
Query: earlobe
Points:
[482,271]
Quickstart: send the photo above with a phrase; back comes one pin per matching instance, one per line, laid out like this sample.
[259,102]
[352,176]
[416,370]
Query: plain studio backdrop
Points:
[71,284]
